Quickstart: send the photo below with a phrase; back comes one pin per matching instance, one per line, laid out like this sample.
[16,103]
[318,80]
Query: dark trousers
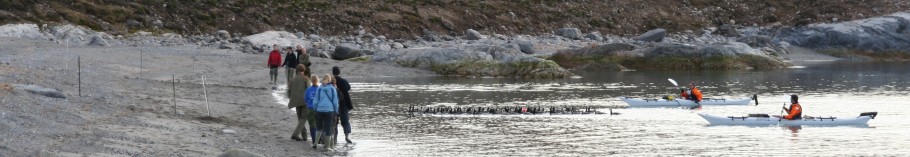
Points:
[326,121]
[345,117]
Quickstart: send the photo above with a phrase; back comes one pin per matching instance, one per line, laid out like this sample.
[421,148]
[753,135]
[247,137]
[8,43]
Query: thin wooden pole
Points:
[205,94]
[174,85]
[79,66]
[140,62]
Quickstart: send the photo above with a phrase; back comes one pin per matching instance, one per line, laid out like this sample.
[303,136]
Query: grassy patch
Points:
[361,59]
[888,55]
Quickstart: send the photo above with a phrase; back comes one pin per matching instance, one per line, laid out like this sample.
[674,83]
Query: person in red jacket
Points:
[273,63]
[795,111]
[693,94]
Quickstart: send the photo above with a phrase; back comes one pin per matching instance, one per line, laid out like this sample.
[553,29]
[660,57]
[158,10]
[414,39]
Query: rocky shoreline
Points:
[546,56]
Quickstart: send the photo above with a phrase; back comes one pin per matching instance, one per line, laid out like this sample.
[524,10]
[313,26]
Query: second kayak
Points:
[637,102]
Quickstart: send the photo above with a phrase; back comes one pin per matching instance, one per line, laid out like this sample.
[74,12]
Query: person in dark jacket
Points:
[344,103]
[290,63]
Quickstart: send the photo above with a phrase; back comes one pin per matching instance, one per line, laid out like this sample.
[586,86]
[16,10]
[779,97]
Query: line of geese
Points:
[474,110]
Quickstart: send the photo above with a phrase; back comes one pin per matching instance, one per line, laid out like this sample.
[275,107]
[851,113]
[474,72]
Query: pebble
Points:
[228,131]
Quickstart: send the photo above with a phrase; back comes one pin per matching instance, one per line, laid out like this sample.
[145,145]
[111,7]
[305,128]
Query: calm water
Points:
[384,128]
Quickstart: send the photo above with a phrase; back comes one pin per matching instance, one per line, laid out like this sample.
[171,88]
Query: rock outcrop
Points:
[475,60]
[878,34]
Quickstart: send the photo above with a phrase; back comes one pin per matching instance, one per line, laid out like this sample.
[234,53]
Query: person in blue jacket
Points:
[326,104]
[309,95]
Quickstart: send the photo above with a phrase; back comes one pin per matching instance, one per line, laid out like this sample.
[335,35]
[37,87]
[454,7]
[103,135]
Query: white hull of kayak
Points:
[718,120]
[636,102]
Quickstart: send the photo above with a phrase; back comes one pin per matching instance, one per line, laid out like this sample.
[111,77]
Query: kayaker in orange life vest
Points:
[692,94]
[795,111]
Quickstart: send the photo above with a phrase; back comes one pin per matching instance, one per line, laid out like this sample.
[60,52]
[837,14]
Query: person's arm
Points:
[335,102]
[285,60]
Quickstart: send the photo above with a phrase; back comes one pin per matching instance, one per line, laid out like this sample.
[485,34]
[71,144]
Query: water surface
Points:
[384,128]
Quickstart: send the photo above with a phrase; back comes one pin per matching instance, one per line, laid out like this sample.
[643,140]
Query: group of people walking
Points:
[321,104]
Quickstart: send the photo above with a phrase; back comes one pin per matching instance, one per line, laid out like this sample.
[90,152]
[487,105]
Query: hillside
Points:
[409,18]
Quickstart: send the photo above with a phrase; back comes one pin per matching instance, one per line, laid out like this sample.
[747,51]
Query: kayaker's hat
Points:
[794,98]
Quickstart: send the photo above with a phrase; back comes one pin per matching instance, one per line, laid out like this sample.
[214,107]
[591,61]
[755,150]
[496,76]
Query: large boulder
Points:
[471,34]
[715,56]
[571,33]
[526,47]
[30,31]
[755,40]
[281,38]
[474,60]
[877,34]
[655,35]
[595,36]
[97,40]
[343,52]
[222,35]
[592,57]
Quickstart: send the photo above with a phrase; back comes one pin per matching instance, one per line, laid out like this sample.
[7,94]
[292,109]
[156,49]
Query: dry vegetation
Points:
[407,18]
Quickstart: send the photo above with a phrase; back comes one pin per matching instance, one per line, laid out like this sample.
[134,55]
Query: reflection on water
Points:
[382,127]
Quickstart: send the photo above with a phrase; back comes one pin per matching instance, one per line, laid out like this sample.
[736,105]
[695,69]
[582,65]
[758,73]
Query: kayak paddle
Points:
[673,81]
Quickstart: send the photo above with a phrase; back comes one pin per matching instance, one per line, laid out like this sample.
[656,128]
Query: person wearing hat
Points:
[344,103]
[297,87]
[795,111]
[692,94]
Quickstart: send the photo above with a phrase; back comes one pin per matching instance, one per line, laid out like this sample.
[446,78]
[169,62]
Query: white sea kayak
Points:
[637,102]
[764,119]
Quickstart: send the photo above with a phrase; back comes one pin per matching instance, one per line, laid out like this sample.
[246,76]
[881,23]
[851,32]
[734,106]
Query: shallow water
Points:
[382,127]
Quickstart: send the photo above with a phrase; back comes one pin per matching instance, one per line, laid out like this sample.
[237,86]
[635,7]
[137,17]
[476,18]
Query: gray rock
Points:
[727,30]
[158,23]
[300,35]
[239,153]
[526,47]
[730,49]
[471,34]
[672,50]
[97,40]
[384,47]
[655,35]
[343,52]
[222,35]
[474,60]
[877,34]
[226,46]
[314,37]
[133,23]
[594,36]
[755,40]
[381,38]
[228,131]
[429,35]
[595,52]
[34,89]
[397,45]
[571,33]
[448,25]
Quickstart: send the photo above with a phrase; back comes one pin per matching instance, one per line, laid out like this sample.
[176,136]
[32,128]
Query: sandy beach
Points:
[128,110]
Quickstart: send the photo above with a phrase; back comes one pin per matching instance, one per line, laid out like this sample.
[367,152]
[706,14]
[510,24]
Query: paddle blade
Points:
[672,81]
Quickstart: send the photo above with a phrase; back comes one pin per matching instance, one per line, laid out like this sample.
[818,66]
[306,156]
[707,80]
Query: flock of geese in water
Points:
[508,110]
